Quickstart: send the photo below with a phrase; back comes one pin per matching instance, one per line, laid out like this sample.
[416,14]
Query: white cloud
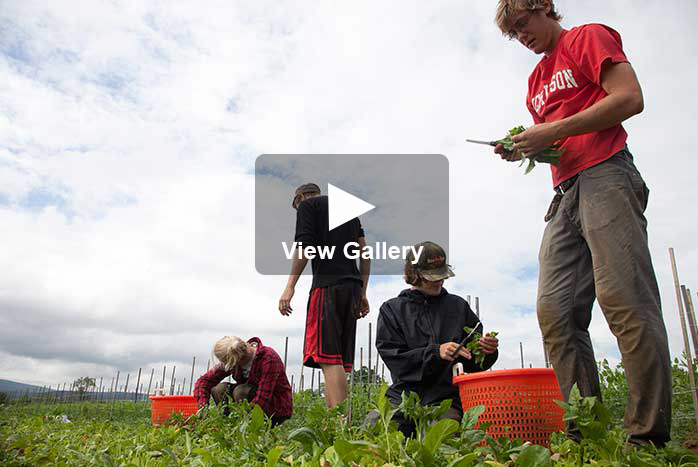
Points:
[146,117]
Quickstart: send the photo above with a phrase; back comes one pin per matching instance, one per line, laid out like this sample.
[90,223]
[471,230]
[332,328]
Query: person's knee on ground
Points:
[370,421]
[406,425]
[220,392]
[244,392]
[278,420]
[454,413]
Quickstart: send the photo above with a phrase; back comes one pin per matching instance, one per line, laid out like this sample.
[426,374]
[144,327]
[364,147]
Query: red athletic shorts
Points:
[330,326]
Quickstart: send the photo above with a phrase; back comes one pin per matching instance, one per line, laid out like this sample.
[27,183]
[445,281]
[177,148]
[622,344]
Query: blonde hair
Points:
[507,9]
[229,350]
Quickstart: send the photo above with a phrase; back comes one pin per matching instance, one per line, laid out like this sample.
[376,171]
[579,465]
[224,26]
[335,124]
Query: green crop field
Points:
[120,434]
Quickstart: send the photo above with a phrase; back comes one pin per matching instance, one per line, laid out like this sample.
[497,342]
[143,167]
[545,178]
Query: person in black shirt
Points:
[419,332]
[338,292]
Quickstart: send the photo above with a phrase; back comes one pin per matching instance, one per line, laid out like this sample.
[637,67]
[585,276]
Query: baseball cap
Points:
[432,264]
[304,189]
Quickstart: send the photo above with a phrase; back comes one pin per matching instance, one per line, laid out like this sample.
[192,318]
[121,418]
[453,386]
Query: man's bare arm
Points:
[297,268]
[624,100]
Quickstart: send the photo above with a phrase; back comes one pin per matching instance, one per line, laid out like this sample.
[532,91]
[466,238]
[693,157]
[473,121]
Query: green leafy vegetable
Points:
[474,345]
[120,434]
[550,155]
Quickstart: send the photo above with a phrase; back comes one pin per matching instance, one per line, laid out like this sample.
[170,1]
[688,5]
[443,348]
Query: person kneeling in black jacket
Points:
[418,332]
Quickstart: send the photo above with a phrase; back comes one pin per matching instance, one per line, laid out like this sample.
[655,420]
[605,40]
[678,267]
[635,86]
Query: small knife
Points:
[488,143]
[462,343]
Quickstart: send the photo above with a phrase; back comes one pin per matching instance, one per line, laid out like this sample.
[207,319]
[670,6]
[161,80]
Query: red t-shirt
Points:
[569,81]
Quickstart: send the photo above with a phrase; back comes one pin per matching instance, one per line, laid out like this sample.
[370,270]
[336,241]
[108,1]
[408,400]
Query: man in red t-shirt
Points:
[595,242]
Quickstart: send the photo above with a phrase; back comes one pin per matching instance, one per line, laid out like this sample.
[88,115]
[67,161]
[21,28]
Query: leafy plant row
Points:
[121,435]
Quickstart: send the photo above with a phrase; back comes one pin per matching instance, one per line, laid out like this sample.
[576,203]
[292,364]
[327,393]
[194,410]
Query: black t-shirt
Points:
[312,222]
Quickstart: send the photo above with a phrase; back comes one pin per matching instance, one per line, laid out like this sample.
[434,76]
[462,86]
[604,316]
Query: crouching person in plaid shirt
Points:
[260,375]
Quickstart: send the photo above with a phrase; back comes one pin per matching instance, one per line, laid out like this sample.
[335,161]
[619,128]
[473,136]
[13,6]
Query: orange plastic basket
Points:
[163,407]
[520,403]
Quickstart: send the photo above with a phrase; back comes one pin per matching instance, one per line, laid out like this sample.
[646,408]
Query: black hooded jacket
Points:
[411,327]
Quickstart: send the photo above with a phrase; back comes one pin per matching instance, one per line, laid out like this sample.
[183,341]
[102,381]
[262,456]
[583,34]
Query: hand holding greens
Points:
[550,155]
[474,346]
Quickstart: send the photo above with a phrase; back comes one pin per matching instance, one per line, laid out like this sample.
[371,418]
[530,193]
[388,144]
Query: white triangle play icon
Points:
[343,206]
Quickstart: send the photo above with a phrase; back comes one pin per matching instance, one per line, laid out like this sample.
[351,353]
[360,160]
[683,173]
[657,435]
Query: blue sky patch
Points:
[232,106]
[39,198]
[112,80]
[13,43]
[527,273]
[523,309]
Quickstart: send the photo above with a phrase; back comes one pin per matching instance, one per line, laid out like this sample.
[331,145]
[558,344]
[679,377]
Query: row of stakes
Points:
[99,393]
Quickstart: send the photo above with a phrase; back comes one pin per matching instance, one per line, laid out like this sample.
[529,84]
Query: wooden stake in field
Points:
[292,390]
[375,370]
[138,382]
[691,314]
[521,350]
[152,372]
[172,384]
[368,376]
[687,349]
[690,325]
[545,355]
[191,381]
[285,352]
[477,307]
[126,385]
[116,387]
[351,393]
[312,380]
[361,363]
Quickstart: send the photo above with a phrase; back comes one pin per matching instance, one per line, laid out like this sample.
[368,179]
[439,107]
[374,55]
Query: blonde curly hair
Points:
[507,9]
[229,350]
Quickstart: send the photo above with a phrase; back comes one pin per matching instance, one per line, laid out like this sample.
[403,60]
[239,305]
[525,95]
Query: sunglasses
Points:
[298,198]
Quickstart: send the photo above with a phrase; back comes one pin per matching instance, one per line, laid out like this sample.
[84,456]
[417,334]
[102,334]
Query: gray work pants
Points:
[595,246]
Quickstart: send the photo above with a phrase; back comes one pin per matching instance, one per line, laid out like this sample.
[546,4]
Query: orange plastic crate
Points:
[163,407]
[520,403]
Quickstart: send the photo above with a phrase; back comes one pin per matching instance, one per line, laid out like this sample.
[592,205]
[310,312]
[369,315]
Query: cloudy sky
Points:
[129,131]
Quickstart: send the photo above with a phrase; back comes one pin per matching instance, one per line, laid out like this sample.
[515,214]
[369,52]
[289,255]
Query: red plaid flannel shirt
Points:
[267,373]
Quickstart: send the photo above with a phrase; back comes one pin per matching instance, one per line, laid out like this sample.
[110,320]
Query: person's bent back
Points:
[259,374]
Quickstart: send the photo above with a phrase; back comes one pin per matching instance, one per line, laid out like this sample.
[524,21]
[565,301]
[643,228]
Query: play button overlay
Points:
[344,206]
[399,199]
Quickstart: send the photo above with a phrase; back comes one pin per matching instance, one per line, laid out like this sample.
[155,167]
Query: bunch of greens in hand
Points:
[550,155]
[474,345]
